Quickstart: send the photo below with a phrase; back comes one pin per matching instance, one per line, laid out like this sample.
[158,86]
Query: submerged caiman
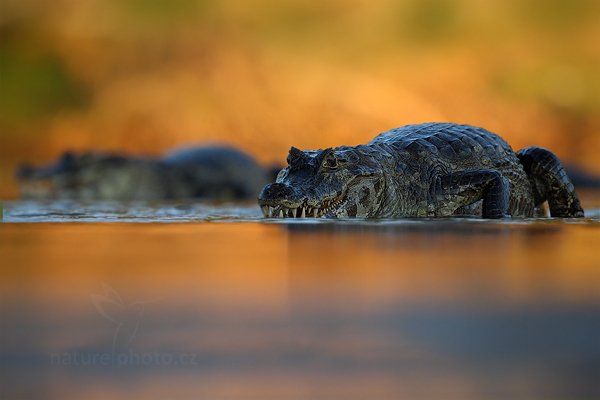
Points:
[216,172]
[424,170]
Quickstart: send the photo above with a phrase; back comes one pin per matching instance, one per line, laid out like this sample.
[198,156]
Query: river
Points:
[185,301]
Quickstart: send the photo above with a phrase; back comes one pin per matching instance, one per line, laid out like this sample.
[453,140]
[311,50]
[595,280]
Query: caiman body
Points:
[209,173]
[425,170]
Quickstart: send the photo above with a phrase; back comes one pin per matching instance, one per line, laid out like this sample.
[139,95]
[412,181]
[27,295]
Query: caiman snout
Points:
[278,200]
[275,192]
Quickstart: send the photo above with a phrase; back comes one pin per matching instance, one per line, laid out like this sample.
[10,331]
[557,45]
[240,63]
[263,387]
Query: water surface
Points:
[206,301]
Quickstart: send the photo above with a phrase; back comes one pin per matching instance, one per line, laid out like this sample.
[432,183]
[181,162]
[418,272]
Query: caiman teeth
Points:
[301,211]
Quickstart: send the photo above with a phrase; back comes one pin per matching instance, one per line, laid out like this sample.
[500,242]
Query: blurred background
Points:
[455,309]
[143,76]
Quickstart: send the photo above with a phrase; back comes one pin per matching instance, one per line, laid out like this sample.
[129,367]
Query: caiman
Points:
[216,172]
[423,170]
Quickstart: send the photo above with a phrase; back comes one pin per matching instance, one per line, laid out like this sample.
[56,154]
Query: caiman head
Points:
[69,174]
[335,182]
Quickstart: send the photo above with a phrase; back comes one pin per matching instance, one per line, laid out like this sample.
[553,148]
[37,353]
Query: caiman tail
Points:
[550,182]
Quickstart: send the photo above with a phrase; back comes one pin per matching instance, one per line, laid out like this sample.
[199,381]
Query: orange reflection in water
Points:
[224,263]
[418,310]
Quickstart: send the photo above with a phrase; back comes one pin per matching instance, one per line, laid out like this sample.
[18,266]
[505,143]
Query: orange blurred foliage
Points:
[145,76]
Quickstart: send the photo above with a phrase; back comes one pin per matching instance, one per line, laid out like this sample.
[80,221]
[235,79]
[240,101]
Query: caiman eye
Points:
[330,161]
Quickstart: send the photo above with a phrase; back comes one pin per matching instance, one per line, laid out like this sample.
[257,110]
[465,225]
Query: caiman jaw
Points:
[302,211]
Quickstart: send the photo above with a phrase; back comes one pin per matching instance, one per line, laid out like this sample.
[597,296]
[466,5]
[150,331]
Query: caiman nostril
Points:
[275,191]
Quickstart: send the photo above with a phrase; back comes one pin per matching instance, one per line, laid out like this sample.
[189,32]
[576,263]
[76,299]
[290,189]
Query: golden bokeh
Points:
[145,76]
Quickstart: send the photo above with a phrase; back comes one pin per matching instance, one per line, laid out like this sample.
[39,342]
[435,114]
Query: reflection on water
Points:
[146,212]
[423,309]
[71,211]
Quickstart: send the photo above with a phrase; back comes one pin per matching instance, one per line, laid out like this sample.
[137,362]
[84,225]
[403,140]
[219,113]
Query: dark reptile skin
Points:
[549,181]
[425,170]
[438,149]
